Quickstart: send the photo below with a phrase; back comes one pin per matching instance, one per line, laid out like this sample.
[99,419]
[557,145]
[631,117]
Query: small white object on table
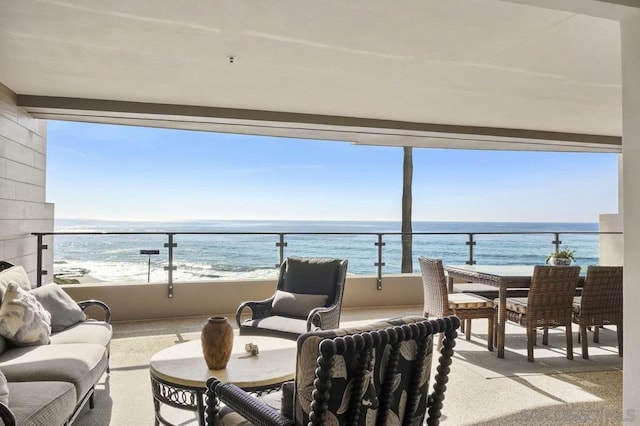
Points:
[182,368]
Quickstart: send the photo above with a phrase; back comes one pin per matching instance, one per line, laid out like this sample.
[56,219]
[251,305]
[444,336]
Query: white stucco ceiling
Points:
[484,63]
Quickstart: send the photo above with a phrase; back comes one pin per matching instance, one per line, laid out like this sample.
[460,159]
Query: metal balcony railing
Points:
[380,242]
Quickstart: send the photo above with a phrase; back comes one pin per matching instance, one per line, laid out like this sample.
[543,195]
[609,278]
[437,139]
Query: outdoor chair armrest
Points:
[259,309]
[7,415]
[107,311]
[324,317]
[243,403]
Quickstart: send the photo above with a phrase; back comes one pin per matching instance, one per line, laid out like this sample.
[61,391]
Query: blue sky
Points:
[134,173]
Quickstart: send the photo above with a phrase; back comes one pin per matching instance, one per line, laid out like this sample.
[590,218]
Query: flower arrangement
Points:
[561,257]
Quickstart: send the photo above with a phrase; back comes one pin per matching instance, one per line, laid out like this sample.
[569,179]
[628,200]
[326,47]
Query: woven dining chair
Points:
[438,302]
[549,304]
[600,304]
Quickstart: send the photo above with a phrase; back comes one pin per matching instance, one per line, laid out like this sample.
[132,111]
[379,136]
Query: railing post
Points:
[379,263]
[471,243]
[170,245]
[556,241]
[281,244]
[40,271]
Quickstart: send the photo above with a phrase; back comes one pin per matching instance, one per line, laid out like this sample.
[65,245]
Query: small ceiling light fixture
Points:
[231,59]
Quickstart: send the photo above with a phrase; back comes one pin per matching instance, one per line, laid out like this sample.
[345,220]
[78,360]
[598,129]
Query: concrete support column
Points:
[612,245]
[630,38]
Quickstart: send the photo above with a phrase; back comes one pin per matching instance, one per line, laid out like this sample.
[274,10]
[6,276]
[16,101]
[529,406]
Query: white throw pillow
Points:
[295,304]
[23,320]
[15,274]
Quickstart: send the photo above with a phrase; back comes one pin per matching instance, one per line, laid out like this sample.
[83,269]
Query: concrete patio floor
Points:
[482,389]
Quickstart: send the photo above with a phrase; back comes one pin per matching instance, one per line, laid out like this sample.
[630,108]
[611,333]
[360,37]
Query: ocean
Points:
[117,258]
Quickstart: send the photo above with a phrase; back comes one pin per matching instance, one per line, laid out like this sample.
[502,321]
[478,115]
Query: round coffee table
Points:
[179,373]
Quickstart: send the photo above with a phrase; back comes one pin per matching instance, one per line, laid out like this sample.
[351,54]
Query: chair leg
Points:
[467,331]
[495,326]
[490,332]
[545,336]
[619,330]
[531,340]
[582,336]
[569,340]
[440,338]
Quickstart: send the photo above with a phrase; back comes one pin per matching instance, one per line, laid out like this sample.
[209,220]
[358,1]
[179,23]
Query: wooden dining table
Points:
[500,276]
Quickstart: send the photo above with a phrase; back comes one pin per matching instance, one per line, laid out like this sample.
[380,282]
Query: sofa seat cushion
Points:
[81,364]
[90,331]
[42,403]
[276,325]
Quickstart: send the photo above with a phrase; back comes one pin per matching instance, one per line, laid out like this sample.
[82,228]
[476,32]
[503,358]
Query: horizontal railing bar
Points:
[324,233]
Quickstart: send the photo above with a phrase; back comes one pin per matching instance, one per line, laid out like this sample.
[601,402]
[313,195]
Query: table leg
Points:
[502,295]
[200,403]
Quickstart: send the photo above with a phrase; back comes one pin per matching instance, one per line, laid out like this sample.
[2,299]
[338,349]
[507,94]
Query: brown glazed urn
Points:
[217,342]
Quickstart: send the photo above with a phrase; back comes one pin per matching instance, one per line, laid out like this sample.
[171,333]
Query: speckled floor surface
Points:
[482,389]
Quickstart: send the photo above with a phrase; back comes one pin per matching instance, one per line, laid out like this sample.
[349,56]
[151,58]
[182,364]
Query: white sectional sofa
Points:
[48,384]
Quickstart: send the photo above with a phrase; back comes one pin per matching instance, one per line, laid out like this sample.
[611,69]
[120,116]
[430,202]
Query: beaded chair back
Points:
[434,286]
[601,300]
[375,376]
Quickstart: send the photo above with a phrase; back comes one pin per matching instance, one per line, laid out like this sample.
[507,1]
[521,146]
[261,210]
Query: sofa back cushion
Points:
[15,274]
[63,309]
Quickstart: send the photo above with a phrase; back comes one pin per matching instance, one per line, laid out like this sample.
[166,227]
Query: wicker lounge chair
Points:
[308,296]
[377,374]
[466,306]
[549,304]
[600,304]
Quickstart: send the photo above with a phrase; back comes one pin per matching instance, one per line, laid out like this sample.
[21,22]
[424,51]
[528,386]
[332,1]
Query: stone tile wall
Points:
[23,206]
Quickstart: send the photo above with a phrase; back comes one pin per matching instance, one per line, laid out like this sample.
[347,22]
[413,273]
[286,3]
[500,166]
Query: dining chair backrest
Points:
[551,294]
[434,285]
[602,295]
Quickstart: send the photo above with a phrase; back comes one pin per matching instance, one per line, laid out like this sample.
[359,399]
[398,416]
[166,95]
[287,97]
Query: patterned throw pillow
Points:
[23,320]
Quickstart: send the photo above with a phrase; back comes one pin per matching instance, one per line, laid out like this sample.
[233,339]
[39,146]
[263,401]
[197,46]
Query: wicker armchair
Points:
[466,306]
[549,304]
[367,375]
[308,296]
[600,304]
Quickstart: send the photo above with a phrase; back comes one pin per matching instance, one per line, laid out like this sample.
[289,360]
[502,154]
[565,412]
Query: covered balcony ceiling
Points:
[483,74]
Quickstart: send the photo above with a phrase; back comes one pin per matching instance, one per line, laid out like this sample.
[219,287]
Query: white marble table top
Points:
[183,364]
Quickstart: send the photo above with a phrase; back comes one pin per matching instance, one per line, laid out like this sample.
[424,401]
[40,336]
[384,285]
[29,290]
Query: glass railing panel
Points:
[360,250]
[203,257]
[108,258]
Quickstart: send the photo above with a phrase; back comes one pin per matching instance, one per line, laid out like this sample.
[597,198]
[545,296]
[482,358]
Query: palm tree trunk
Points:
[407,237]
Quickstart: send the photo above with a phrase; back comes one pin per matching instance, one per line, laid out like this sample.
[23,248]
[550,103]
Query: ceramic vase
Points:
[217,342]
[560,261]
